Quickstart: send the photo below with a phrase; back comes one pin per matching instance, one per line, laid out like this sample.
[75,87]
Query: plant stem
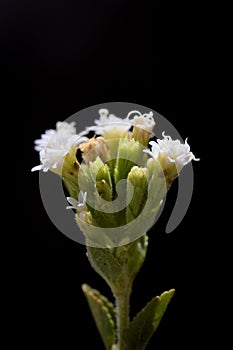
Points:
[122,303]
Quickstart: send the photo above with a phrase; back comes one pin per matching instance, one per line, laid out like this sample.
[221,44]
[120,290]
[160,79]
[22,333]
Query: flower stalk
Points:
[122,307]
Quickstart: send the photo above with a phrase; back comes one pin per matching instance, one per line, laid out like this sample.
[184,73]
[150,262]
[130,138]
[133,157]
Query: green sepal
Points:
[141,135]
[70,170]
[157,181]
[145,323]
[103,313]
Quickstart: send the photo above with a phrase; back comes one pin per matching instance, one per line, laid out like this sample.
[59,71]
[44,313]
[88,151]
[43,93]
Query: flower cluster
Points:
[116,181]
[117,184]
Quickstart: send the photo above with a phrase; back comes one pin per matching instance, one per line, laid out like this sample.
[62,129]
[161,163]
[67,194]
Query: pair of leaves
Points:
[140,329]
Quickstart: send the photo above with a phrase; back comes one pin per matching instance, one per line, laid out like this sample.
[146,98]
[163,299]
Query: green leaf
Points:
[142,327]
[119,266]
[105,263]
[104,315]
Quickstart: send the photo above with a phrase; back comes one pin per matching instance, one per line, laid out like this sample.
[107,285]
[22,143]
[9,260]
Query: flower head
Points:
[168,151]
[142,121]
[54,145]
[125,189]
[143,125]
[109,125]
[62,128]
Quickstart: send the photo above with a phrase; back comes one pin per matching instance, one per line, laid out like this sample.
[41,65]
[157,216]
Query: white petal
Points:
[82,197]
[74,140]
[38,148]
[72,201]
[38,167]
[70,207]
[103,112]
[66,128]
[76,204]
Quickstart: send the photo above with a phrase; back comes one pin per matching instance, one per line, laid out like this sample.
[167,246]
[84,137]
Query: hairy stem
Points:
[122,304]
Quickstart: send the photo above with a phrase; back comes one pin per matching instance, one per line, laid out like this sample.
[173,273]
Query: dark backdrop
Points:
[68,55]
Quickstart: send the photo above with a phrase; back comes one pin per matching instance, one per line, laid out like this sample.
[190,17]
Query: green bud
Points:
[104,190]
[100,171]
[130,153]
[138,178]
[93,177]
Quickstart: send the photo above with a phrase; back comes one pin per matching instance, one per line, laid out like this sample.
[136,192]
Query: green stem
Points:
[118,267]
[122,304]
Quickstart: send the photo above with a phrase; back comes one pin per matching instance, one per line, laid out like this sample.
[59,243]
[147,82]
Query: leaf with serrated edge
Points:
[142,327]
[104,315]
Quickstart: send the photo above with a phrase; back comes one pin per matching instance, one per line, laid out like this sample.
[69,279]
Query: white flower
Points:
[171,151]
[108,122]
[62,128]
[142,121]
[54,145]
[77,204]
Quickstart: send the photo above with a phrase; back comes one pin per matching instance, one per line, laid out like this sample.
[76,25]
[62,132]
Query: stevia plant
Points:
[116,186]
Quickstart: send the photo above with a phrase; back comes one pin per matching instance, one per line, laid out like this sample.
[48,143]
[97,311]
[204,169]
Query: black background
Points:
[68,55]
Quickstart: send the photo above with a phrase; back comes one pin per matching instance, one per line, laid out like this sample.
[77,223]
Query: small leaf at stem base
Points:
[145,323]
[104,315]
